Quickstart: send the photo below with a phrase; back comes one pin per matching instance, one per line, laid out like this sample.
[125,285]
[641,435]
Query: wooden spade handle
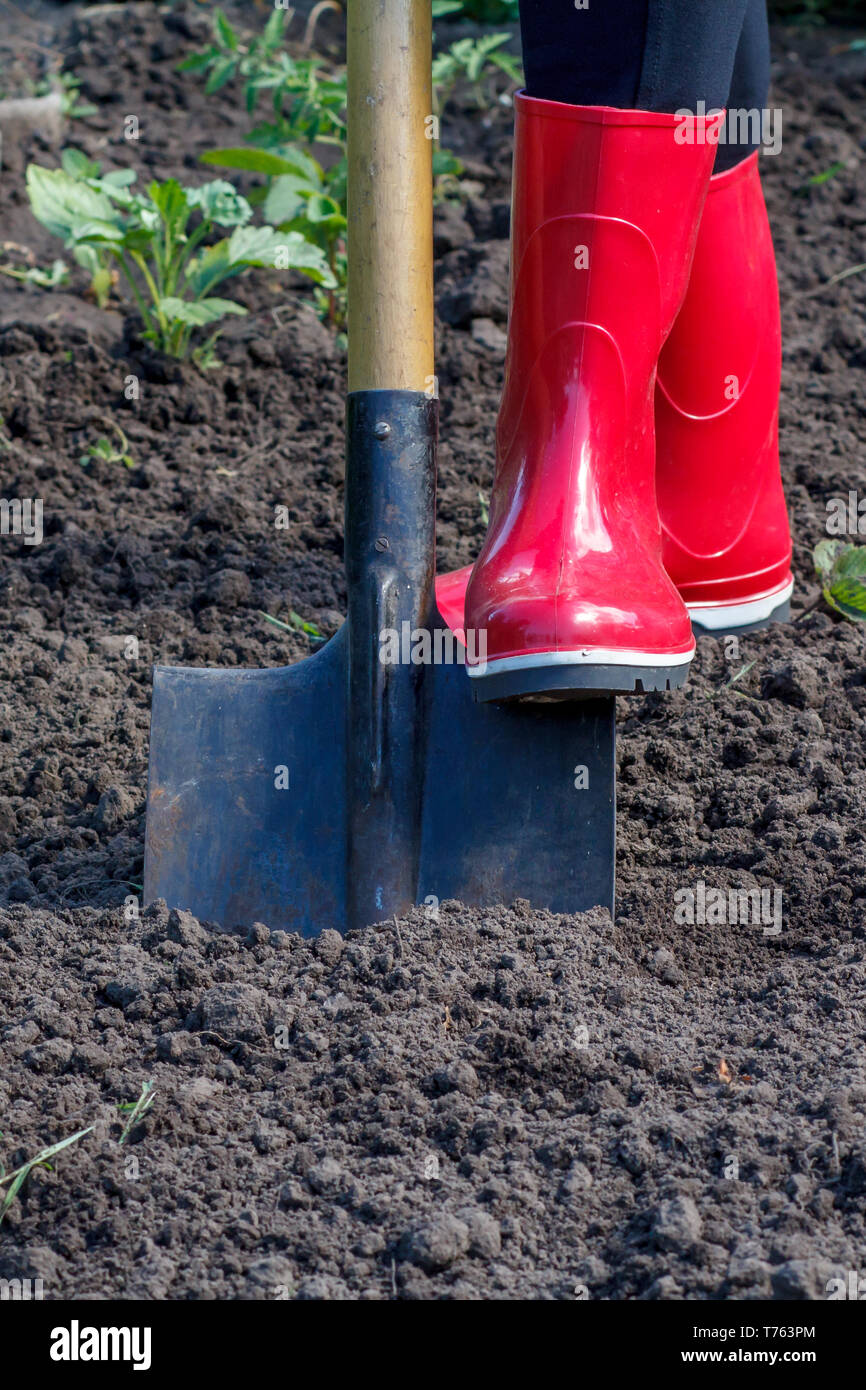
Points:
[390,195]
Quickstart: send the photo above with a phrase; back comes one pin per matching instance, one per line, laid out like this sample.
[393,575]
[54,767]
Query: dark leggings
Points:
[652,55]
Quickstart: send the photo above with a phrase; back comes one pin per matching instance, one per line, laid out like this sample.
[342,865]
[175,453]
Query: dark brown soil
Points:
[567,1159]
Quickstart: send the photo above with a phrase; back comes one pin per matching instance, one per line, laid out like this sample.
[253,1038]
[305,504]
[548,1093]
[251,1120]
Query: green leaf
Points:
[208,268]
[841,568]
[264,246]
[257,246]
[323,209]
[222,72]
[848,597]
[852,562]
[172,203]
[200,311]
[198,62]
[825,555]
[76,164]
[101,232]
[56,274]
[117,178]
[220,202]
[846,590]
[444,162]
[138,239]
[87,257]
[286,196]
[827,174]
[224,31]
[17,1178]
[256,161]
[299,162]
[64,204]
[479,56]
[295,624]
[273,30]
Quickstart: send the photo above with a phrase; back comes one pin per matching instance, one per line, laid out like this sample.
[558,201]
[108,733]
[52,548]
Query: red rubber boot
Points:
[569,591]
[727,545]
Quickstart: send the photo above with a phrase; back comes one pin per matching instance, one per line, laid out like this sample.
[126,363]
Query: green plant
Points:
[156,239]
[94,259]
[475,61]
[136,1109]
[105,451]
[481,11]
[841,568]
[817,180]
[295,624]
[300,195]
[56,275]
[20,1175]
[827,174]
[306,103]
[70,88]
[302,198]
[731,682]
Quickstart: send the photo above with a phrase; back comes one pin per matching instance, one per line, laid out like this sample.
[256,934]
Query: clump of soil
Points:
[625,1158]
[498,1105]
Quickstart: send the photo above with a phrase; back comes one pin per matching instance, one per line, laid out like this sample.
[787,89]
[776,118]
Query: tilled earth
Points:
[494,1105]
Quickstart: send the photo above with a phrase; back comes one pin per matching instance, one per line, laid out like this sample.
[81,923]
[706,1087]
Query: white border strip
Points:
[586,656]
[724,616]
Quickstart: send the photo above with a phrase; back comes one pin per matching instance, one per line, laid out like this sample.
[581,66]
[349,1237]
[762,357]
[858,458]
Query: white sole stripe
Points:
[584,656]
[719,617]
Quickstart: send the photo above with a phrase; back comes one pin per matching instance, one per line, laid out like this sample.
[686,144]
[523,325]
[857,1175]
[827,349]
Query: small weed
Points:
[306,103]
[136,1109]
[53,278]
[73,107]
[295,624]
[20,1175]
[731,682]
[817,180]
[106,452]
[475,61]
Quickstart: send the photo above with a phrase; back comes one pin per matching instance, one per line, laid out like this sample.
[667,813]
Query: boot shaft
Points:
[726,533]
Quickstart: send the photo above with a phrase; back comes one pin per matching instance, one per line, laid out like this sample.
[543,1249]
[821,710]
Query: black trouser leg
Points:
[653,55]
[750,83]
[590,57]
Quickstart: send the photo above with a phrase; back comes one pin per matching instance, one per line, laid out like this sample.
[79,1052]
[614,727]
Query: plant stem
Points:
[142,307]
[192,244]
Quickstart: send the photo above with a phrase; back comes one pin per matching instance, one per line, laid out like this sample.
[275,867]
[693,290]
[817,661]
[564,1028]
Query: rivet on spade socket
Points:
[382,543]
[382,429]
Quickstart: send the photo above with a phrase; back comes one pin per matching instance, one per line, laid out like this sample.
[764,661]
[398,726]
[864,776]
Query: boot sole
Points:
[580,680]
[749,616]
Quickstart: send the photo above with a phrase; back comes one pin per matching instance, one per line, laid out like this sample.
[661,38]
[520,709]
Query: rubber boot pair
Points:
[637,483]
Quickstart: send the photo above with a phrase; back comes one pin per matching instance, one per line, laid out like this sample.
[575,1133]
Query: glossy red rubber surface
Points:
[605,211]
[726,533]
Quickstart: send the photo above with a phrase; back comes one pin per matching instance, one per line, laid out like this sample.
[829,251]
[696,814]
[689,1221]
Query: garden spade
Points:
[365,779]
